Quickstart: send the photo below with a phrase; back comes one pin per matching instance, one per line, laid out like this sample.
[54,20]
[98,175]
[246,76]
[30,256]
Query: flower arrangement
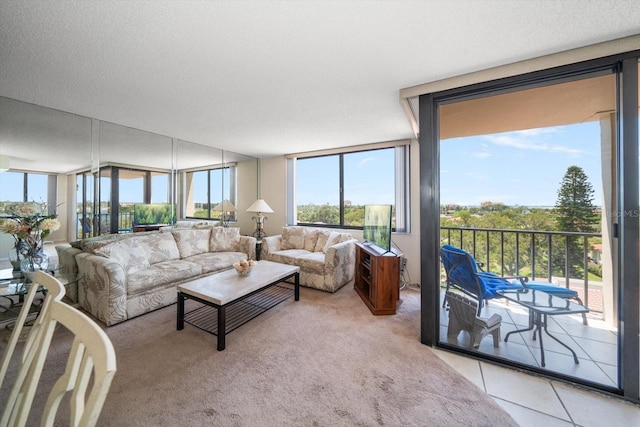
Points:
[28,225]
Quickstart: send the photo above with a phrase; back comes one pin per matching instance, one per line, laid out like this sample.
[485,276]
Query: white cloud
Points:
[364,161]
[483,153]
[532,139]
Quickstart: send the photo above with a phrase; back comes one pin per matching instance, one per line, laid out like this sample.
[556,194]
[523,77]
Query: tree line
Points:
[574,211]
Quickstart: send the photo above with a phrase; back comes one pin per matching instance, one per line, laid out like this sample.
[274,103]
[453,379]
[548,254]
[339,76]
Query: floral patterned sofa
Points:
[126,275]
[326,258]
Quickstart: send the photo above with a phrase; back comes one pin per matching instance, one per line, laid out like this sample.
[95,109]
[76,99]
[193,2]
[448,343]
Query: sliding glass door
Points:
[528,178]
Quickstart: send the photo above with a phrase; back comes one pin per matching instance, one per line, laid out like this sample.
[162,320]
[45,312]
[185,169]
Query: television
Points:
[377,226]
[153,213]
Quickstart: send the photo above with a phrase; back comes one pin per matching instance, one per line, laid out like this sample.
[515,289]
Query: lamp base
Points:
[259,233]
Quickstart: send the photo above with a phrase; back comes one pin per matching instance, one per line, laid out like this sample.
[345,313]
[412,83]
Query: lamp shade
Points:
[260,206]
[225,206]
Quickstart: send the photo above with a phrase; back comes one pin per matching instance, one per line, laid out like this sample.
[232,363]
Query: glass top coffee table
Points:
[541,305]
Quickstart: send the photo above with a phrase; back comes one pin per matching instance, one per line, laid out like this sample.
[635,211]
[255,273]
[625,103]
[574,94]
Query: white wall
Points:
[274,184]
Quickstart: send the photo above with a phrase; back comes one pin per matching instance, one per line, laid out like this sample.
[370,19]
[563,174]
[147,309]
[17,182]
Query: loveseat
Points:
[326,258]
[123,276]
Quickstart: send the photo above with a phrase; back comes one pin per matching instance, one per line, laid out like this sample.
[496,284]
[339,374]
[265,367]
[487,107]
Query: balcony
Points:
[544,256]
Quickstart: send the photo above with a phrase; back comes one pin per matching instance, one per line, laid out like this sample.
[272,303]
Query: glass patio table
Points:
[540,305]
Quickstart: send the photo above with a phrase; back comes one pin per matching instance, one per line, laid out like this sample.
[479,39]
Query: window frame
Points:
[229,170]
[51,189]
[401,175]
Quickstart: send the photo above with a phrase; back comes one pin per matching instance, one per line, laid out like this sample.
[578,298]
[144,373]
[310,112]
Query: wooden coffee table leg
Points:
[221,327]
[297,287]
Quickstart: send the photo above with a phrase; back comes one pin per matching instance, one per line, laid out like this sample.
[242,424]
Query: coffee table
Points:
[229,296]
[541,305]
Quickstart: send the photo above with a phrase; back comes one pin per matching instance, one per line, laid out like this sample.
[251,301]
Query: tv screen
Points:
[157,213]
[377,226]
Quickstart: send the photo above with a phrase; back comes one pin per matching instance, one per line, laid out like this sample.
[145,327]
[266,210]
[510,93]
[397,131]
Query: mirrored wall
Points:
[93,173]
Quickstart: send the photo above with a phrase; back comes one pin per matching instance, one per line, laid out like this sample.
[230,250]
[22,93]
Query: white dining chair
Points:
[90,368]
[53,290]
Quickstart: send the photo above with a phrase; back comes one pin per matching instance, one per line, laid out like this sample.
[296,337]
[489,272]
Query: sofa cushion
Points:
[92,243]
[288,256]
[334,238]
[127,253]
[310,239]
[293,237]
[159,247]
[224,239]
[192,241]
[216,261]
[321,241]
[312,262]
[195,224]
[160,274]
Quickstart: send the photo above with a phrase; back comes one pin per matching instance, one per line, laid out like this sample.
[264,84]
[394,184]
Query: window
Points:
[207,189]
[28,187]
[332,190]
[120,189]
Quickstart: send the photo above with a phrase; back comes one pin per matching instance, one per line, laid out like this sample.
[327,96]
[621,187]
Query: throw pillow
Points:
[224,239]
[159,247]
[310,239]
[292,237]
[192,241]
[323,236]
[127,253]
[333,239]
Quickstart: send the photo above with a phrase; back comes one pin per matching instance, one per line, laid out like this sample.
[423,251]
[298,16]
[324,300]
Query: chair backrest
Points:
[462,309]
[461,270]
[54,291]
[90,368]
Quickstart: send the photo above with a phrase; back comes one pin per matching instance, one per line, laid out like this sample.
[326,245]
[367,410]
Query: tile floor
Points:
[535,401]
[595,344]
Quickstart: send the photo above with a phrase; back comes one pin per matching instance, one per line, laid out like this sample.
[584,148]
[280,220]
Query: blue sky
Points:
[368,179]
[515,168]
[518,168]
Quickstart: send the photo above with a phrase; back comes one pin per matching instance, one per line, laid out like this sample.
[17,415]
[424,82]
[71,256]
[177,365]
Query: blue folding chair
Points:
[464,273]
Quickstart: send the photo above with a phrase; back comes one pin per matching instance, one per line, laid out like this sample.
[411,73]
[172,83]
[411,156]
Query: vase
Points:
[14,259]
[33,262]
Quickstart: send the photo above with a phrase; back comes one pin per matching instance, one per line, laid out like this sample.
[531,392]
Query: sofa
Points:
[326,258]
[126,275]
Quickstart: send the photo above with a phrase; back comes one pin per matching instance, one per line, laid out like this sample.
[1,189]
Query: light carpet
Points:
[322,361]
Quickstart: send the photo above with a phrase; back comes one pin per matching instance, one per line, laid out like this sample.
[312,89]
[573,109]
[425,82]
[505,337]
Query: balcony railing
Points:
[542,255]
[125,223]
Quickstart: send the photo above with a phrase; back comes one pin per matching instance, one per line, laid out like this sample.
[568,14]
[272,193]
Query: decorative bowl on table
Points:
[244,267]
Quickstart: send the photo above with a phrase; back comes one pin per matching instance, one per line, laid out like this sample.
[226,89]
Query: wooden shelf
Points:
[377,279]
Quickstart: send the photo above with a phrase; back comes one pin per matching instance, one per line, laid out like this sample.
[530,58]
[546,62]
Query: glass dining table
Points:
[541,305]
[14,286]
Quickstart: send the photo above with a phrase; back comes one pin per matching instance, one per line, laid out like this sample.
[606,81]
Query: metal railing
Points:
[125,223]
[538,253]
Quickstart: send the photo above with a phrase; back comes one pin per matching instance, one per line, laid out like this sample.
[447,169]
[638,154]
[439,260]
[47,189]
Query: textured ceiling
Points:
[266,78]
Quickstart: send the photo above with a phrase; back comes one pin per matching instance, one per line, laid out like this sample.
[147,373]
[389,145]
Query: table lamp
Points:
[260,207]
[226,208]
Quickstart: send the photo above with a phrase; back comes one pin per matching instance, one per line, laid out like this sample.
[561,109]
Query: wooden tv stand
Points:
[377,278]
